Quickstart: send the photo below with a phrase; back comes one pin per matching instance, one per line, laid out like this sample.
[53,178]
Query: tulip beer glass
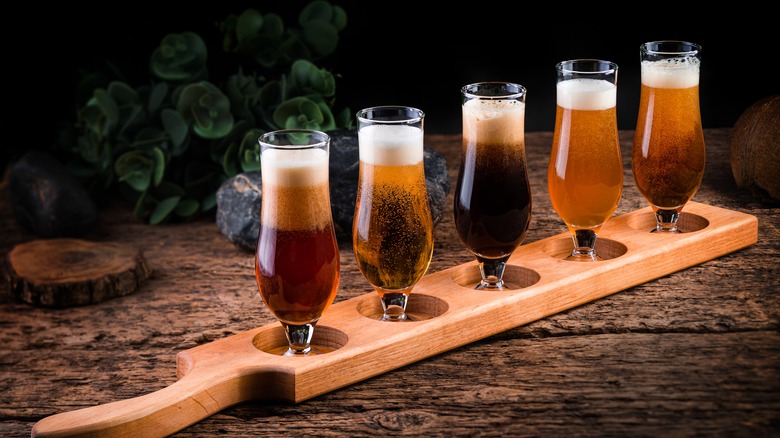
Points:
[668,155]
[297,259]
[585,172]
[492,206]
[392,231]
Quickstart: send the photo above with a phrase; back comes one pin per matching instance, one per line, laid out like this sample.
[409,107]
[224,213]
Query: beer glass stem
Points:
[298,338]
[394,306]
[492,271]
[584,245]
[666,221]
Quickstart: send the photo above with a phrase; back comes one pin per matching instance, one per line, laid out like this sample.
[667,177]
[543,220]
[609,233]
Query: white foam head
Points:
[486,109]
[390,145]
[671,73]
[295,167]
[586,94]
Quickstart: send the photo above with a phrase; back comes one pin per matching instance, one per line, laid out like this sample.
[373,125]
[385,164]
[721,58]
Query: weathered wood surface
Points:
[693,353]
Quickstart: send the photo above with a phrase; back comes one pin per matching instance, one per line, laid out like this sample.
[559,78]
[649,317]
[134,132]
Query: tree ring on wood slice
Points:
[515,277]
[419,307]
[687,223]
[73,272]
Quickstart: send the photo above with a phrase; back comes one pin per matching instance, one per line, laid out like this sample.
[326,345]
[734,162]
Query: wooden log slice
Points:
[73,272]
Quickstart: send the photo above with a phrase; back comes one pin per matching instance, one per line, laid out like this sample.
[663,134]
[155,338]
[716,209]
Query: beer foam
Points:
[390,145]
[671,73]
[494,121]
[586,94]
[298,167]
[484,109]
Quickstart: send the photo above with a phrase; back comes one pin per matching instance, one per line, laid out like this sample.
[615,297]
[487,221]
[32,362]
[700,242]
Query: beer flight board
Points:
[447,313]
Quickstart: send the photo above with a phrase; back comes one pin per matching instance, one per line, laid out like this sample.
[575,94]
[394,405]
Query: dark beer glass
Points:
[392,233]
[492,206]
[297,259]
[668,155]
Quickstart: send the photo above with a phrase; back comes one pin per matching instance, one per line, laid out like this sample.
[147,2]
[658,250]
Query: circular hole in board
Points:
[324,340]
[687,223]
[561,248]
[515,277]
[419,307]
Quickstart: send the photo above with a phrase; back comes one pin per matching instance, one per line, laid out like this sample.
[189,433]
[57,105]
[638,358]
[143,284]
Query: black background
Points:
[409,53]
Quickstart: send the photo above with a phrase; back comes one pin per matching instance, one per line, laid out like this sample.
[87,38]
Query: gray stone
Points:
[238,199]
[47,200]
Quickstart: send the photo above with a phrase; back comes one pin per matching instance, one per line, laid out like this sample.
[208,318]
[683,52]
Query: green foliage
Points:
[167,145]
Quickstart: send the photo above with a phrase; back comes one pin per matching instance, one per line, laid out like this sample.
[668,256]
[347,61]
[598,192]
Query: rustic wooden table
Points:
[693,353]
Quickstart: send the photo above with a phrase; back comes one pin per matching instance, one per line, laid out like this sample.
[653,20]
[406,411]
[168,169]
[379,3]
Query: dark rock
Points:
[238,209]
[238,199]
[48,200]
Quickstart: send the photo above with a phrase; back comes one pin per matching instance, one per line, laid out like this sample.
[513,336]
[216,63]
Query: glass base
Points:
[298,338]
[666,221]
[394,306]
[584,246]
[492,272]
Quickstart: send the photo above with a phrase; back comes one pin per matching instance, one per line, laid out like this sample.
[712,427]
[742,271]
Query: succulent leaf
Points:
[322,36]
[157,96]
[135,168]
[187,208]
[176,128]
[308,78]
[163,210]
[249,24]
[206,109]
[179,57]
[315,10]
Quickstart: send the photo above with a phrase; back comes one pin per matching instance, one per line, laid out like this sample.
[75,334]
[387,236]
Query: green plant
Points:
[168,145]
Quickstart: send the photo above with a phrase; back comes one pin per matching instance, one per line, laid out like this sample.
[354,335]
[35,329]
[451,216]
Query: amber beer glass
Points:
[392,233]
[492,207]
[668,155]
[585,172]
[297,259]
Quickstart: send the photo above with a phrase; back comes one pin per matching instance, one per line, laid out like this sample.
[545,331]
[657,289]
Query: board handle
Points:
[194,397]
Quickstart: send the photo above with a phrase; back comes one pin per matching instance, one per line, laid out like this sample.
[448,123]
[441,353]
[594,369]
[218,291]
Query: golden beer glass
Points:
[585,172]
[297,259]
[392,232]
[492,206]
[668,154]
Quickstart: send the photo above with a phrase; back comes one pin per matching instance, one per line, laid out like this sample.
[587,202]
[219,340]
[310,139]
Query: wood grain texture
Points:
[696,352]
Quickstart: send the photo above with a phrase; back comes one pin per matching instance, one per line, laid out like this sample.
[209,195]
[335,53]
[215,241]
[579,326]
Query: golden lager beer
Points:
[585,175]
[585,172]
[668,155]
[392,228]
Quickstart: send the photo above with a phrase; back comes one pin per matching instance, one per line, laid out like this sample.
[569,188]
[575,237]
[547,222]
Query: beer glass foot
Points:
[298,338]
[492,272]
[394,306]
[666,221]
[584,246]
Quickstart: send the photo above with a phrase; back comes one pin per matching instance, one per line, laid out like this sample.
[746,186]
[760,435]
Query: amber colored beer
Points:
[492,207]
[669,155]
[585,173]
[392,231]
[297,258]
